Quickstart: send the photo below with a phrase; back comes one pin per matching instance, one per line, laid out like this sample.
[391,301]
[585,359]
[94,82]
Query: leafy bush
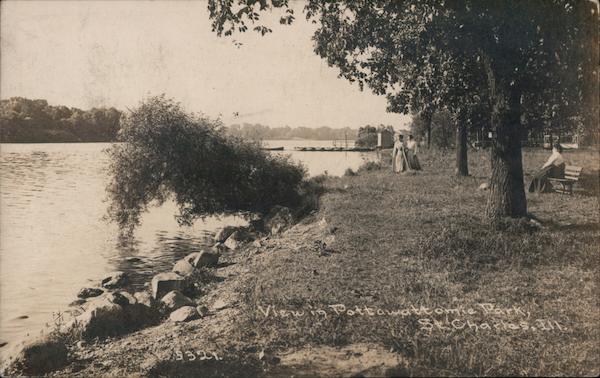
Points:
[369,166]
[167,153]
[311,191]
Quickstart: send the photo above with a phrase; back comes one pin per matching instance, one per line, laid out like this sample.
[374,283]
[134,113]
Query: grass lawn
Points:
[419,245]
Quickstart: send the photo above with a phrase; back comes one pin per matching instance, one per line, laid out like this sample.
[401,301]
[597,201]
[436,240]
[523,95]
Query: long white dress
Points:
[399,163]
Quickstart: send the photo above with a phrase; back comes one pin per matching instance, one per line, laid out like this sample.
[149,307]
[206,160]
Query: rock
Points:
[268,358]
[77,302]
[224,233]
[191,257]
[257,243]
[122,298]
[238,238]
[231,243]
[113,314]
[206,259]
[279,219]
[220,304]
[218,248]
[175,300]
[89,292]
[114,280]
[484,186]
[535,223]
[257,225]
[3,343]
[144,298]
[202,310]
[184,314]
[163,283]
[133,259]
[42,356]
[103,317]
[183,268]
[81,343]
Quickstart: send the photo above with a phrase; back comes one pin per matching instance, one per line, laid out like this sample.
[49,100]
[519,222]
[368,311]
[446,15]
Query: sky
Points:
[108,53]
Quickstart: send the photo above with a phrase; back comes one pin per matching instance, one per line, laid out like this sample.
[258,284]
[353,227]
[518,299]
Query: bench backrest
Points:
[572,172]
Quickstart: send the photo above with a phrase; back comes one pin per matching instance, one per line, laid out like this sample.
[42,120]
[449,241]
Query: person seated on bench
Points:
[553,168]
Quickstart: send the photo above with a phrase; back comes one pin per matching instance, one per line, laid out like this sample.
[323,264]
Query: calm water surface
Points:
[53,240]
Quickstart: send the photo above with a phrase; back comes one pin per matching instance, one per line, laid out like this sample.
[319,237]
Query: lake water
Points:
[53,240]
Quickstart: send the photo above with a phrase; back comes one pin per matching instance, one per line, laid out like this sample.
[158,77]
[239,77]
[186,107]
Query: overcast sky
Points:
[109,53]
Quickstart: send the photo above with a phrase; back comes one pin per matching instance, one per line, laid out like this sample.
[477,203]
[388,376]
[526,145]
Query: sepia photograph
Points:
[299,188]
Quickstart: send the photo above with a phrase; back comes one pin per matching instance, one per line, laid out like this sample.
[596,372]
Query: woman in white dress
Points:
[553,168]
[399,161]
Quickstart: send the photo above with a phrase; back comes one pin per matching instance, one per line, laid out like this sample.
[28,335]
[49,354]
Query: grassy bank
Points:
[397,241]
[427,287]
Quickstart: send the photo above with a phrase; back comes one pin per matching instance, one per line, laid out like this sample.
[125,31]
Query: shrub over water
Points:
[168,153]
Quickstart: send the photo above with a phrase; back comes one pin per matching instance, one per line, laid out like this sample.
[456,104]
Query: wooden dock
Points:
[335,149]
[272,148]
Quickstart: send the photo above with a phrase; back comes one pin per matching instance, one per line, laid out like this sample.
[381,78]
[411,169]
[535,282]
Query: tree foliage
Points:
[168,153]
[462,55]
[443,128]
[33,121]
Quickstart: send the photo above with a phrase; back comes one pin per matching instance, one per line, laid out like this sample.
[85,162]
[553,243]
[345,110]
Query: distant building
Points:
[385,138]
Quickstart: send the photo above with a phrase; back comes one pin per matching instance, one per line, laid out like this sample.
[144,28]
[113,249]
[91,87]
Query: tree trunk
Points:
[462,165]
[427,120]
[507,190]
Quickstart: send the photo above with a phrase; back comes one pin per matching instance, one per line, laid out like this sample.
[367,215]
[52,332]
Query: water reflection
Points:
[318,162]
[167,248]
[53,239]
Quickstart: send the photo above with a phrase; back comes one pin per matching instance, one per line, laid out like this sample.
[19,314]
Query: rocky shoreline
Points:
[114,310]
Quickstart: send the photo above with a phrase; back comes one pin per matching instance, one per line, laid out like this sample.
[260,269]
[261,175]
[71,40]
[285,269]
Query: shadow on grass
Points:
[207,368]
[589,183]
[468,253]
[335,190]
[205,276]
[224,264]
[573,227]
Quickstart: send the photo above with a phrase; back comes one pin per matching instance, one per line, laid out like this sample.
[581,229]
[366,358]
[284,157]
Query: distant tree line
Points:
[34,121]
[24,120]
[259,132]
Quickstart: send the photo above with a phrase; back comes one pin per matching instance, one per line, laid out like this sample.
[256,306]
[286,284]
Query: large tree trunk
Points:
[462,165]
[507,190]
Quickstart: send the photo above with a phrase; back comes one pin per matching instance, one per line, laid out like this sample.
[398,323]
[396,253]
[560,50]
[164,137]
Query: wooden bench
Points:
[572,174]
